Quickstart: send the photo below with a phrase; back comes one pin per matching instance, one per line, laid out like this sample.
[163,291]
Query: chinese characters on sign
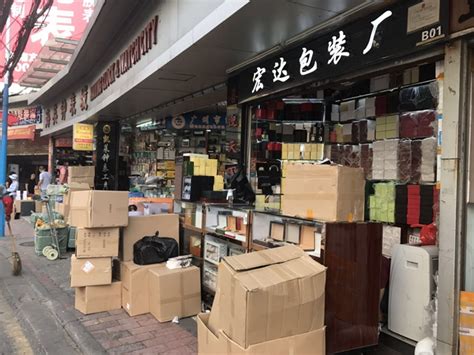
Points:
[366,41]
[83,137]
[105,157]
[26,115]
[66,19]
[106,168]
[196,122]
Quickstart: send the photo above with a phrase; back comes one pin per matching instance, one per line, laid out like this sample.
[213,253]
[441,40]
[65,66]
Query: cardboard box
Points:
[325,192]
[174,292]
[135,295]
[142,226]
[313,342]
[466,323]
[81,174]
[95,299]
[97,242]
[91,272]
[267,295]
[96,209]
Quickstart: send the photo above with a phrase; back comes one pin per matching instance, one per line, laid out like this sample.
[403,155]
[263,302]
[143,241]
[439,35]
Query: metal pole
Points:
[3,150]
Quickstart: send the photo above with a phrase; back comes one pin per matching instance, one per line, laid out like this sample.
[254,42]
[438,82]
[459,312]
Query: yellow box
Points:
[210,171]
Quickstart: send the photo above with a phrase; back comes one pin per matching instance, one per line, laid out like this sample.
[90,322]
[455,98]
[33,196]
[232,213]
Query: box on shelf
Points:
[214,249]
[195,245]
[144,226]
[209,276]
[97,242]
[91,272]
[325,192]
[95,209]
[312,342]
[135,295]
[256,310]
[175,292]
[95,299]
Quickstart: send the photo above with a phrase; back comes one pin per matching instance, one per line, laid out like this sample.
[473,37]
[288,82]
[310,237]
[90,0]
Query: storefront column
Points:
[452,198]
[51,155]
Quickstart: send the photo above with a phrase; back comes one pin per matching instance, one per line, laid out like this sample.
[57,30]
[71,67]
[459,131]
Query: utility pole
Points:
[4,149]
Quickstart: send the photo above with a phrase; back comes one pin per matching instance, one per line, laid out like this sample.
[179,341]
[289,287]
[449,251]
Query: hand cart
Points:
[53,251]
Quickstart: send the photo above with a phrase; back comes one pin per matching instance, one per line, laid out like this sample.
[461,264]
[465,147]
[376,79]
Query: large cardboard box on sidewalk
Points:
[143,226]
[81,174]
[175,292]
[97,242]
[96,209]
[312,342]
[268,295]
[94,299]
[64,207]
[135,293]
[325,192]
[90,272]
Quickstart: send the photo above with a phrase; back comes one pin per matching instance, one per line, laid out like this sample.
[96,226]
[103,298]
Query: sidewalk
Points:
[40,303]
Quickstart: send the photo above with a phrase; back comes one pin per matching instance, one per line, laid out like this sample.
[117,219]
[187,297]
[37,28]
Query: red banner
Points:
[22,132]
[66,19]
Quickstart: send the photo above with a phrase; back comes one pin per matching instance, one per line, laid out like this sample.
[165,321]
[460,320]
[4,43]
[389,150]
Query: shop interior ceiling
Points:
[248,34]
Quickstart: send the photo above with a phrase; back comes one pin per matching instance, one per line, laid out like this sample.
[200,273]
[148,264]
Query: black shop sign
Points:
[106,169]
[403,29]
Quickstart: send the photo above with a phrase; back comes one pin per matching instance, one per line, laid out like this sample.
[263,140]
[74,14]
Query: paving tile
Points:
[136,338]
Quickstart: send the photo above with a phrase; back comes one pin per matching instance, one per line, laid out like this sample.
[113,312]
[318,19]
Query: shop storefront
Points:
[370,95]
[381,93]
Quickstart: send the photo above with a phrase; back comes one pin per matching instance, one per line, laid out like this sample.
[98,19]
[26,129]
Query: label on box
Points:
[88,267]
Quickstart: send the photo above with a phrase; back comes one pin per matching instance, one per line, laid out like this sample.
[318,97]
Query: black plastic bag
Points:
[154,250]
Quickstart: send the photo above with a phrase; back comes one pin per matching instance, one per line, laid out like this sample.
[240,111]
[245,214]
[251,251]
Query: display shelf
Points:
[386,91]
[191,228]
[228,235]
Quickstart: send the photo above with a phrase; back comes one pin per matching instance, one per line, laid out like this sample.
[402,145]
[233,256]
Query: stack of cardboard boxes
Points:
[268,302]
[154,288]
[97,216]
[165,293]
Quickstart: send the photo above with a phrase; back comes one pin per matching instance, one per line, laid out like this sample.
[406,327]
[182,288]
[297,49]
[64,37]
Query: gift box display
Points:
[418,124]
[382,203]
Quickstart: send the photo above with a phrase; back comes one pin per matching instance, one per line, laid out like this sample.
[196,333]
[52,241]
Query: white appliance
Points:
[411,289]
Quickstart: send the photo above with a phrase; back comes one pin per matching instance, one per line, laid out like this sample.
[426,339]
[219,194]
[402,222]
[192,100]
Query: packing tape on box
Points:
[466,331]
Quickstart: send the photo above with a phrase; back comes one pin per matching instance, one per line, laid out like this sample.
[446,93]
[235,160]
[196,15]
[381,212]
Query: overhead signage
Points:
[462,15]
[194,121]
[66,19]
[63,142]
[83,137]
[106,168]
[78,101]
[405,28]
[21,132]
[139,47]
[20,116]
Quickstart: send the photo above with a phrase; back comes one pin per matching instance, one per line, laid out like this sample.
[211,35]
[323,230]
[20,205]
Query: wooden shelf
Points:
[191,228]
[238,237]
